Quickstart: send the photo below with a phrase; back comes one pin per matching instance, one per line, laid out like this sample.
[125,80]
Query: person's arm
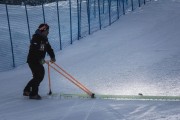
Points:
[50,51]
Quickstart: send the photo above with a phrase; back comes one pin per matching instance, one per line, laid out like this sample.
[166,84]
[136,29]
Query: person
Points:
[39,46]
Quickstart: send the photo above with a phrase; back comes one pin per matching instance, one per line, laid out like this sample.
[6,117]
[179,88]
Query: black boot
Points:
[35,97]
[26,93]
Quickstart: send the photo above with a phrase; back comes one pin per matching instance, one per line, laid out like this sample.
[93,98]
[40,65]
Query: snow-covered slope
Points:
[138,53]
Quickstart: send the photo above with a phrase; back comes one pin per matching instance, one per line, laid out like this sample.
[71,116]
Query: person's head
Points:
[44,29]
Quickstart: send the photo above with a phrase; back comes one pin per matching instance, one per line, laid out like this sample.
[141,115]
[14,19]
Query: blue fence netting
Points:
[68,20]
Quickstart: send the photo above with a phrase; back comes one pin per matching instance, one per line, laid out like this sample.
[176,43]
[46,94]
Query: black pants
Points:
[38,75]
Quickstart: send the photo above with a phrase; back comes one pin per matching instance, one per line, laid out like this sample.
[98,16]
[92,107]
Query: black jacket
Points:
[38,48]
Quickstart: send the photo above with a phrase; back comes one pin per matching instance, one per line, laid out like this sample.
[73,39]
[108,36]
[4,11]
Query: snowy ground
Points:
[138,53]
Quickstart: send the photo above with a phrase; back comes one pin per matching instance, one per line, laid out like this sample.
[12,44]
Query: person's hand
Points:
[53,60]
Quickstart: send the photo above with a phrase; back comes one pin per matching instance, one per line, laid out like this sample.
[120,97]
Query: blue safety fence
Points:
[68,20]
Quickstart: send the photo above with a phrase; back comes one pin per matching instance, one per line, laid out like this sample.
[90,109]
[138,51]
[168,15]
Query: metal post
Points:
[88,13]
[139,3]
[123,8]
[118,9]
[132,3]
[99,14]
[59,25]
[28,22]
[43,13]
[78,19]
[12,49]
[109,2]
[70,20]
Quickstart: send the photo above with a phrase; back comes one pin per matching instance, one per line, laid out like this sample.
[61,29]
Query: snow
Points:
[137,54]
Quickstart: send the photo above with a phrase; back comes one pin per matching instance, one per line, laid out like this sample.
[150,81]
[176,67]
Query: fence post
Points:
[12,49]
[43,13]
[78,19]
[27,21]
[99,14]
[118,8]
[70,20]
[109,2]
[144,2]
[132,3]
[139,3]
[123,8]
[88,13]
[59,25]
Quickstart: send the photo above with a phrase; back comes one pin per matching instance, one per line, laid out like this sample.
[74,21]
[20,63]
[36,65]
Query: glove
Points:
[53,60]
[42,61]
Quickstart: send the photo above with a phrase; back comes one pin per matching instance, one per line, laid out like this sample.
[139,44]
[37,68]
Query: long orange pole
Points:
[73,80]
[72,77]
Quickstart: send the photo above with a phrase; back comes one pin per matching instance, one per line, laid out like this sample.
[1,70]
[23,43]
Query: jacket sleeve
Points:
[50,51]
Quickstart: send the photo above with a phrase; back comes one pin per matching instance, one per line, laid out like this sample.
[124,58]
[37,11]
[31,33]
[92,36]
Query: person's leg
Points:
[38,75]
[28,87]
